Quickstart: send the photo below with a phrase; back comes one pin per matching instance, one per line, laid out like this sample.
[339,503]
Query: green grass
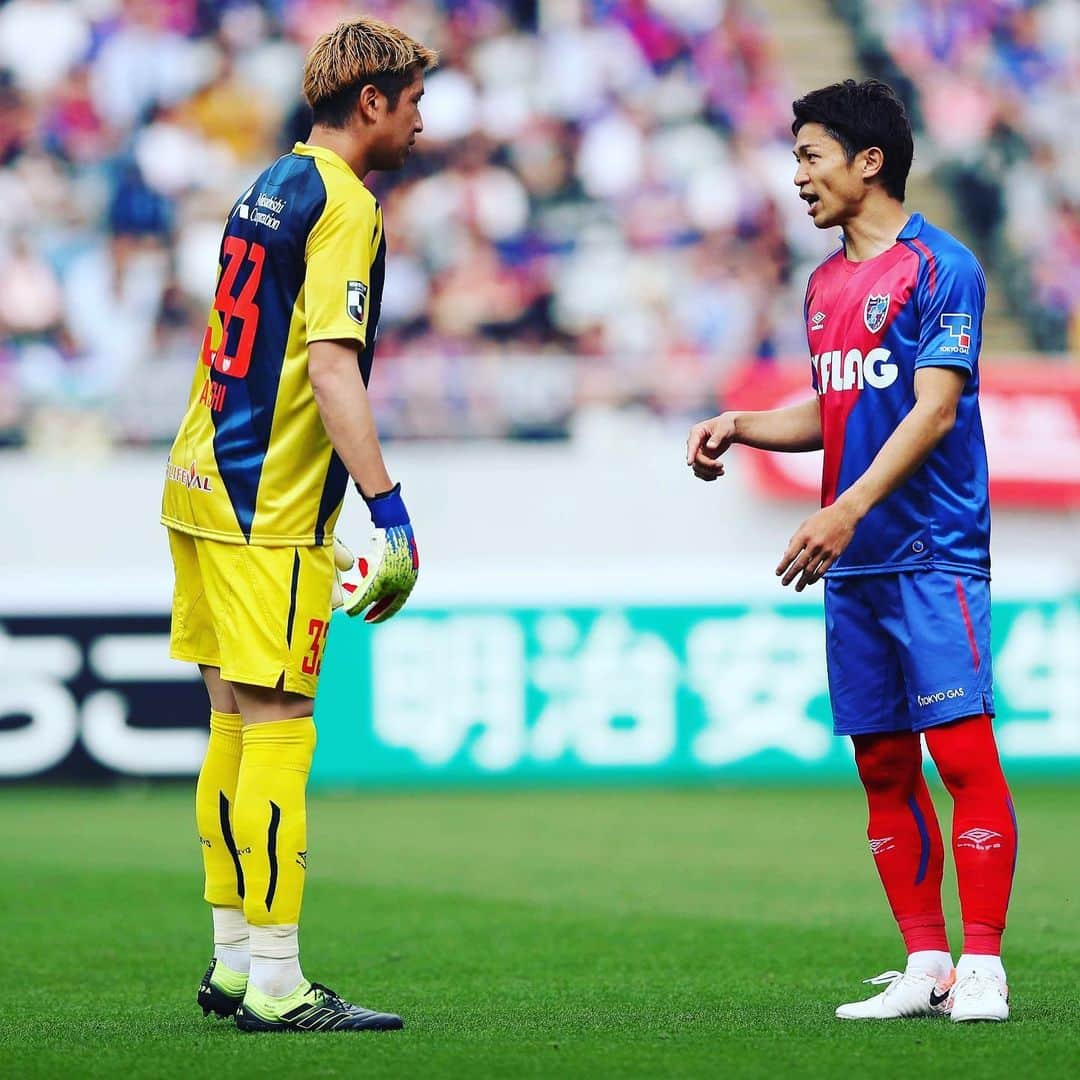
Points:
[614,933]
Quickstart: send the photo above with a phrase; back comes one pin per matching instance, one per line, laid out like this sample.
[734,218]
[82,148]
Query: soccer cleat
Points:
[310,1007]
[979,996]
[907,994]
[221,990]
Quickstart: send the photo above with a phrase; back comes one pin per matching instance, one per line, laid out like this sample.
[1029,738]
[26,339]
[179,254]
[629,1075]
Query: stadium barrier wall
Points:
[485,694]
[734,691]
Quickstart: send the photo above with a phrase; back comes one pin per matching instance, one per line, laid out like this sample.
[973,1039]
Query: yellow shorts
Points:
[260,614]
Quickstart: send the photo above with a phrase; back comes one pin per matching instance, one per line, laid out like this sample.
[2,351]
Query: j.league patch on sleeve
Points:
[355,299]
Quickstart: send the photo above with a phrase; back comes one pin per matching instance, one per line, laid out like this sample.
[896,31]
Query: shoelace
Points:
[317,989]
[889,977]
[980,980]
[329,997]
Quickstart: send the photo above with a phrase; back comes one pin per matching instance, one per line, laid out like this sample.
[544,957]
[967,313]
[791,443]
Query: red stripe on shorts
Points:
[967,621]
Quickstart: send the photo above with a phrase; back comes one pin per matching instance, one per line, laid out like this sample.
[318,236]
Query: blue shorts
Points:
[907,651]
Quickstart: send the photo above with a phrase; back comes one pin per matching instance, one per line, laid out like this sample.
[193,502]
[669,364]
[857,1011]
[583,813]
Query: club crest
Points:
[875,312]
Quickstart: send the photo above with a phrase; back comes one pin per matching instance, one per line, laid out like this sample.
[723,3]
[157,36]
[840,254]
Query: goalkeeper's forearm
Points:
[343,404]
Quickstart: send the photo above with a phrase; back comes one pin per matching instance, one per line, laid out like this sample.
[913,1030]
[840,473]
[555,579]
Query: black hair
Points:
[335,110]
[861,115]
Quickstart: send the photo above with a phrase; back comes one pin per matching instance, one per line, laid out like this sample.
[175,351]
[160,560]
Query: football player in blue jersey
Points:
[902,539]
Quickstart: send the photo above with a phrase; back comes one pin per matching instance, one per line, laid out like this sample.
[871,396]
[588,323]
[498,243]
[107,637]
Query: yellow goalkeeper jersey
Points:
[302,260]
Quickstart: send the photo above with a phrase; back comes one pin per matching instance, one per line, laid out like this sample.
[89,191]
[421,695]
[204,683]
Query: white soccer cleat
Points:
[907,994]
[979,996]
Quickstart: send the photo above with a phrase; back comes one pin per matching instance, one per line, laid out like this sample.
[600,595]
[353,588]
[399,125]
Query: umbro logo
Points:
[980,839]
[877,847]
[980,836]
[818,321]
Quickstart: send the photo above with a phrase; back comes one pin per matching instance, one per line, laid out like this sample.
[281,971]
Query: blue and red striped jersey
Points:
[870,326]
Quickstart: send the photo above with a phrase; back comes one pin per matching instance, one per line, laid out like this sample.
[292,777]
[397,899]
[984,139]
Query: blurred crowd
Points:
[998,87]
[600,209]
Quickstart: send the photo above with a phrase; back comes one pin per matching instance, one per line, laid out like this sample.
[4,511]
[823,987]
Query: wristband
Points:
[387,509]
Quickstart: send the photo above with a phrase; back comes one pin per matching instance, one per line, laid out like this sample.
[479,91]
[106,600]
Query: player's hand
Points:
[818,542]
[379,581]
[707,442]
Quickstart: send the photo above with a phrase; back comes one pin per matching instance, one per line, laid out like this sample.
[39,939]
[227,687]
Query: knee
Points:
[222,698]
[965,754]
[956,773]
[888,765]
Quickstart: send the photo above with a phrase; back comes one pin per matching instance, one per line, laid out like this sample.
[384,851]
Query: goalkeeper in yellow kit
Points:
[278,421]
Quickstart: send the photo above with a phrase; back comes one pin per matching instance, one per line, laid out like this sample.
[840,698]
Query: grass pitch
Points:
[615,933]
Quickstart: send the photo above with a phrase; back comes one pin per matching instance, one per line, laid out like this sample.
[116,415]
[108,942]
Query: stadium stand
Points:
[996,86]
[601,210]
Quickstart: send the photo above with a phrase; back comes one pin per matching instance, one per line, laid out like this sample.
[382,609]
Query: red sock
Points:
[904,835]
[984,827]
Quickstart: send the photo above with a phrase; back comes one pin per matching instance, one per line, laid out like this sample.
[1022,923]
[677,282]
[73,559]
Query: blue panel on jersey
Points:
[337,479]
[378,276]
[242,428]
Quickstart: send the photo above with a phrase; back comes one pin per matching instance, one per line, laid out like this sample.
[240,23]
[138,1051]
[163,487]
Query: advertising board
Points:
[460,694]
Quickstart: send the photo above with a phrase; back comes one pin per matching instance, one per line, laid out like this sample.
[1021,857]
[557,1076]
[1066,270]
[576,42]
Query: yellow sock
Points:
[270,819]
[215,798]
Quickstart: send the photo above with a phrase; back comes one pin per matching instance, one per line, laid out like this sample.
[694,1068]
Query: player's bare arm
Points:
[343,404]
[793,429]
[821,538]
[380,581]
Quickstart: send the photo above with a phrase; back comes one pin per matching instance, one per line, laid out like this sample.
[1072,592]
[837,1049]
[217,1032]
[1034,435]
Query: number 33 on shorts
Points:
[312,661]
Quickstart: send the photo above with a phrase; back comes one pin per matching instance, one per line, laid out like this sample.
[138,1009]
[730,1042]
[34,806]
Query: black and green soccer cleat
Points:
[221,990]
[310,1007]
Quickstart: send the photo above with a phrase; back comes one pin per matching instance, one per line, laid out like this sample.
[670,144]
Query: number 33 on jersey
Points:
[302,260]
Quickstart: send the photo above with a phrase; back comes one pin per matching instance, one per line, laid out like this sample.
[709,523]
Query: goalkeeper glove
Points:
[382,579]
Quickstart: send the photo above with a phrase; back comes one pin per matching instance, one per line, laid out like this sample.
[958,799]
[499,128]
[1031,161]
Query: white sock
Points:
[231,938]
[985,965]
[930,962]
[275,959]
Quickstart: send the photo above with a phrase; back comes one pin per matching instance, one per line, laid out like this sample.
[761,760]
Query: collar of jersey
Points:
[912,228]
[323,154]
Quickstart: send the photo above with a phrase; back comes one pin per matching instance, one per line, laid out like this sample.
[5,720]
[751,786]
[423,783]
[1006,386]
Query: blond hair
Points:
[357,52]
